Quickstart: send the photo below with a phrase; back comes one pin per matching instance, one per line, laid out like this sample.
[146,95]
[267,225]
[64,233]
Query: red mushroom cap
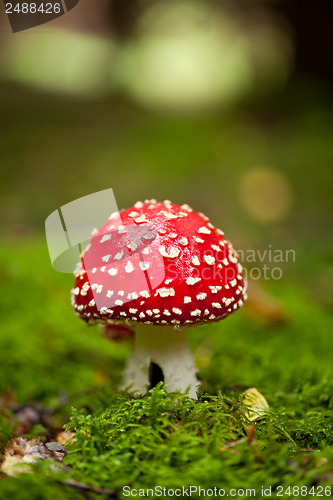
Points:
[158,263]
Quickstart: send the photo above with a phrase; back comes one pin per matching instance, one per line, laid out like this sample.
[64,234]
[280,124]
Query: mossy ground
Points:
[163,439]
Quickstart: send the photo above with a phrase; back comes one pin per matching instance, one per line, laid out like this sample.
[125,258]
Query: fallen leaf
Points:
[255,402]
[26,451]
[64,436]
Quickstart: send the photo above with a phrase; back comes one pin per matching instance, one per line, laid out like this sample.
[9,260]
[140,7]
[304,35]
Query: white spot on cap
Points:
[144,266]
[166,312]
[212,316]
[220,232]
[141,315]
[105,237]
[121,293]
[119,255]
[233,282]
[122,313]
[209,259]
[183,241]
[195,261]
[149,236]
[109,293]
[206,312]
[187,300]
[226,287]
[145,294]
[97,288]
[201,296]
[192,281]
[199,240]
[85,288]
[138,204]
[196,312]
[168,281]
[165,292]
[76,290]
[156,311]
[203,215]
[112,271]
[132,246]
[145,251]
[161,231]
[169,215]
[173,235]
[119,302]
[173,252]
[149,312]
[140,219]
[133,296]
[217,305]
[225,261]
[129,267]
[216,247]
[185,206]
[121,229]
[92,303]
[94,269]
[133,214]
[103,310]
[204,230]
[114,215]
[215,289]
[102,269]
[176,310]
[106,258]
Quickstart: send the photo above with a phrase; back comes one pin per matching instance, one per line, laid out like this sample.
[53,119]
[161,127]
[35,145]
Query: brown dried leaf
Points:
[64,436]
[26,451]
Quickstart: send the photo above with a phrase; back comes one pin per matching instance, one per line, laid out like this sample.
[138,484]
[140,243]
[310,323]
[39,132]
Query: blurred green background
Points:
[208,104]
[225,107]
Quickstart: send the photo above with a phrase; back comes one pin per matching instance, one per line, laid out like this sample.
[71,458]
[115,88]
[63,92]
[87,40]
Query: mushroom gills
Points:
[156,374]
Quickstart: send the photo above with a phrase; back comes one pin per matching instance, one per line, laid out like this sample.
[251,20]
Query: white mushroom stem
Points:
[167,347]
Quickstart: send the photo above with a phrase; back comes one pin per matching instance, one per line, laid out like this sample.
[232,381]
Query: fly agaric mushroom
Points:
[161,267]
